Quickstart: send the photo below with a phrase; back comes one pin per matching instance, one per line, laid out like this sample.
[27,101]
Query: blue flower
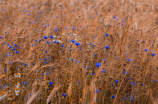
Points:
[52,37]
[129,59]
[1,37]
[17,52]
[52,68]
[50,83]
[36,40]
[3,9]
[154,80]
[104,60]
[93,73]
[78,82]
[77,44]
[153,54]
[133,83]
[124,72]
[41,11]
[107,47]
[98,64]
[15,45]
[113,96]
[145,50]
[88,67]
[5,70]
[25,64]
[56,29]
[10,46]
[45,37]
[34,21]
[64,94]
[73,41]
[116,81]
[95,55]
[73,28]
[106,34]
[62,45]
[103,70]
[46,62]
[45,51]
[97,91]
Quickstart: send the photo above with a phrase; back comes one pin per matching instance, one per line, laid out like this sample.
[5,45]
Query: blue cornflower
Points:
[116,81]
[47,42]
[52,37]
[62,45]
[25,64]
[45,37]
[154,80]
[36,40]
[103,70]
[107,47]
[3,9]
[106,34]
[57,16]
[73,41]
[93,73]
[124,72]
[77,44]
[145,50]
[44,59]
[56,29]
[129,59]
[98,64]
[34,21]
[95,55]
[78,82]
[153,54]
[104,60]
[10,46]
[50,83]
[1,37]
[94,45]
[64,94]
[73,28]
[45,51]
[88,67]
[113,96]
[17,52]
[52,68]
[41,11]
[97,91]
[5,70]
[133,83]
[5,85]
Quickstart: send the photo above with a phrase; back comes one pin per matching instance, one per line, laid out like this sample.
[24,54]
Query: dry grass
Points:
[39,71]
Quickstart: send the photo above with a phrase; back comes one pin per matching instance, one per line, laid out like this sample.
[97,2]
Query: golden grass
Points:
[130,75]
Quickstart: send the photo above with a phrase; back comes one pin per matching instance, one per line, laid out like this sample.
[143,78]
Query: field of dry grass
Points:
[78,52]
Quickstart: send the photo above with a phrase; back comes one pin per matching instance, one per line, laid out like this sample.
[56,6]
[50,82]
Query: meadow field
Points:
[78,51]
